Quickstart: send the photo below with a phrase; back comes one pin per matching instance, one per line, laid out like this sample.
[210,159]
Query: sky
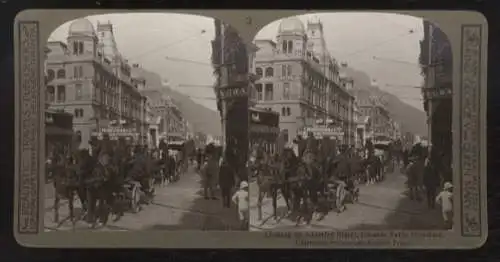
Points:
[356,38]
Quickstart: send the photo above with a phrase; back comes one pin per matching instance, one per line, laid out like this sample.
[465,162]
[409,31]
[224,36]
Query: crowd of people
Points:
[110,178]
[314,176]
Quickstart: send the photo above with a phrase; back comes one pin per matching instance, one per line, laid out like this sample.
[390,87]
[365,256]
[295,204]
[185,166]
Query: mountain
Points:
[201,118]
[411,119]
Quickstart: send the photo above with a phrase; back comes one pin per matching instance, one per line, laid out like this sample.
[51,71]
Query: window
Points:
[61,94]
[285,135]
[80,48]
[289,70]
[78,72]
[286,91]
[268,96]
[75,48]
[283,70]
[78,113]
[284,47]
[258,87]
[288,111]
[290,47]
[258,71]
[269,71]
[78,92]
[61,73]
[283,111]
[50,75]
[79,136]
[50,94]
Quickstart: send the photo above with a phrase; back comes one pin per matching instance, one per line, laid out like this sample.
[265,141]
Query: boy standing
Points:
[241,199]
[445,198]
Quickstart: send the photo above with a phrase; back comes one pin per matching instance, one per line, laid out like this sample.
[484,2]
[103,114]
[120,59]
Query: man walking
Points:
[210,172]
[226,182]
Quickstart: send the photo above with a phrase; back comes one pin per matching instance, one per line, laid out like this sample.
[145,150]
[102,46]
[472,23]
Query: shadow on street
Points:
[205,215]
[407,215]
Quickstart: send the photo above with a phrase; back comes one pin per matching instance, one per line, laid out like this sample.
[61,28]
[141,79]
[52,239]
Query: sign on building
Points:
[116,132]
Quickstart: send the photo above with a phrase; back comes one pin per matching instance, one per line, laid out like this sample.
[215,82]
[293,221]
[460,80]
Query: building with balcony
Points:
[299,79]
[88,78]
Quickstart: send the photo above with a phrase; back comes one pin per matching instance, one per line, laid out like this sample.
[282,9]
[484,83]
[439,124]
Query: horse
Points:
[66,182]
[266,172]
[158,170]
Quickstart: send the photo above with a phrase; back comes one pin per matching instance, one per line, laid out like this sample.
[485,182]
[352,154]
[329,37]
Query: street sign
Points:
[233,91]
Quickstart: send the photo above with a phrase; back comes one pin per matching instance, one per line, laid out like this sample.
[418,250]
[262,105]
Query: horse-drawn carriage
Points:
[133,179]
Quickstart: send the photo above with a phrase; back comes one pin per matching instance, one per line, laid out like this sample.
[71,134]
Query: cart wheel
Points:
[340,197]
[135,200]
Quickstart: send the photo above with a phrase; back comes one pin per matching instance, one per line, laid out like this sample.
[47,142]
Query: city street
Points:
[177,206]
[381,206]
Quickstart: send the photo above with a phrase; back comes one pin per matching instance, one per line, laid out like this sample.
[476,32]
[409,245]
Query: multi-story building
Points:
[378,116]
[299,79]
[89,78]
[349,123]
[169,122]
[437,65]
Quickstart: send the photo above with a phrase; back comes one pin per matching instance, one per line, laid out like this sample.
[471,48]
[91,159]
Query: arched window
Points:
[61,73]
[290,47]
[80,48]
[78,92]
[50,94]
[258,71]
[285,135]
[286,91]
[50,75]
[258,88]
[269,71]
[61,93]
[269,90]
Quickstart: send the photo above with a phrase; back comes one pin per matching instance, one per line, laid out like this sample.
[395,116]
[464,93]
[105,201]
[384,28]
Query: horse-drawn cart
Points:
[132,193]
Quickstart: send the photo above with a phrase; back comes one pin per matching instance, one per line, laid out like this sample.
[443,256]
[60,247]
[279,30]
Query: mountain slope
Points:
[201,118]
[411,119]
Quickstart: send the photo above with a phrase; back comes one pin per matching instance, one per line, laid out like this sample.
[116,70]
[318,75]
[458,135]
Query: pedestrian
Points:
[209,174]
[241,199]
[445,199]
[226,182]
[431,181]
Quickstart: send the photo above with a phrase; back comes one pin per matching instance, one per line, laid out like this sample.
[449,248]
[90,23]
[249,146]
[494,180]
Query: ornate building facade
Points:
[89,78]
[299,79]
